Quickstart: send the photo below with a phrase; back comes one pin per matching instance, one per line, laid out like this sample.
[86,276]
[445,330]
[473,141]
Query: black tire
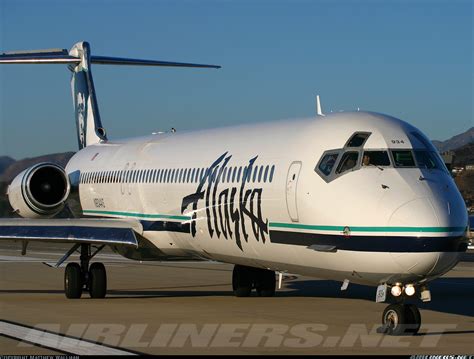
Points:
[413,319]
[97,280]
[241,281]
[73,281]
[395,319]
[265,283]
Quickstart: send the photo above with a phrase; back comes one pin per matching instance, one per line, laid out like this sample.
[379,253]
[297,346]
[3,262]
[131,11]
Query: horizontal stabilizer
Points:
[57,56]
[106,60]
[38,58]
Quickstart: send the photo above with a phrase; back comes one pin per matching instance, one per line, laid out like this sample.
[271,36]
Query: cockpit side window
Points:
[348,162]
[358,139]
[403,158]
[375,158]
[425,160]
[327,163]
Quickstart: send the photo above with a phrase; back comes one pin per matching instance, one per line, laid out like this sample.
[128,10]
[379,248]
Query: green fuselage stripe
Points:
[291,225]
[367,229]
[139,215]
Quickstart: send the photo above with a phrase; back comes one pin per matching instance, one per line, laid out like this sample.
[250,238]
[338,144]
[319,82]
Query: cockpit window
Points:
[426,160]
[431,156]
[403,158]
[348,161]
[357,139]
[375,158]
[327,163]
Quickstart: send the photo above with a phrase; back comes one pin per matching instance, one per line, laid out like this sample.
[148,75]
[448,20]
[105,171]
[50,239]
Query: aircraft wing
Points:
[83,230]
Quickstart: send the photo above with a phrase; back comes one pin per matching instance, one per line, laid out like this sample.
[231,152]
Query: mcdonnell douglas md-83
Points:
[356,197]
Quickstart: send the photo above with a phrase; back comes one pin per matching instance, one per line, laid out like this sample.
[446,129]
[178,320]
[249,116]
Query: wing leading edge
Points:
[87,231]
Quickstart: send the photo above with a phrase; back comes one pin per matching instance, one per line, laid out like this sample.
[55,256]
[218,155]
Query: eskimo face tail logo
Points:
[80,115]
[227,210]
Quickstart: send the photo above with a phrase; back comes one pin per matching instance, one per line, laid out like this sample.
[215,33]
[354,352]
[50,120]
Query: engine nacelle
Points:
[39,191]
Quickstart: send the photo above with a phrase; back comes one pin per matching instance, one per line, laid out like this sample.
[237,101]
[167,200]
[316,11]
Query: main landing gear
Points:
[79,277]
[244,279]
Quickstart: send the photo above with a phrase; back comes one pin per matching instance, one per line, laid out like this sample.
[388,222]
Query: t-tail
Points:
[79,59]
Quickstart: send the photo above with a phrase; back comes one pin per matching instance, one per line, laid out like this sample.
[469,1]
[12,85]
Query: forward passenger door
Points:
[291,190]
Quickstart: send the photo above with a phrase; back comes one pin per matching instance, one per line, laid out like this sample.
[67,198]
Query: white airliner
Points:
[356,197]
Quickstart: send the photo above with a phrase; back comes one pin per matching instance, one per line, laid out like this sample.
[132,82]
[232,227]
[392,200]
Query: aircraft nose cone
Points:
[436,241]
[446,261]
[416,213]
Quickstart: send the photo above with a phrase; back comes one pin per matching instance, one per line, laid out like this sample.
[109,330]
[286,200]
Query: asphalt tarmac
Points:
[189,308]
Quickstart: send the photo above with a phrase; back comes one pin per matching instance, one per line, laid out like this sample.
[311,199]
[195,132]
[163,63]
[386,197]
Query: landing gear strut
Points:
[400,319]
[81,277]
[244,279]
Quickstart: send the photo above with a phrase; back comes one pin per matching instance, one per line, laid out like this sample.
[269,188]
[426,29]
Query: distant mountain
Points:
[464,155]
[456,141]
[5,162]
[8,173]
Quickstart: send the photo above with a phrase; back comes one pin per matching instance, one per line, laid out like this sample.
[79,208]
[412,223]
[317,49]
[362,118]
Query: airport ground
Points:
[188,308]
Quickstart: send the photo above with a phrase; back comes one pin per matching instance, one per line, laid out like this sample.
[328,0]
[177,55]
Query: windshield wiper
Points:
[380,168]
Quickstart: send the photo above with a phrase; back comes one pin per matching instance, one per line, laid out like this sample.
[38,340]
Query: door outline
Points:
[291,190]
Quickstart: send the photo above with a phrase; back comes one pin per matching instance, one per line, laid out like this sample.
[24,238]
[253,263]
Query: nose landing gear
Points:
[400,319]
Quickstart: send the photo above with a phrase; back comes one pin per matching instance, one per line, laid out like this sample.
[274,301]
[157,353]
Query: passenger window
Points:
[265,174]
[358,139]
[375,158]
[403,158]
[348,162]
[327,163]
[255,174]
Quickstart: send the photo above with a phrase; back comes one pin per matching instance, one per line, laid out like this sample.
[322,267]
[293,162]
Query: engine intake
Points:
[39,191]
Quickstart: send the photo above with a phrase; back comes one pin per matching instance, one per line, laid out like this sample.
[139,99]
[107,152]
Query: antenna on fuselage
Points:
[319,112]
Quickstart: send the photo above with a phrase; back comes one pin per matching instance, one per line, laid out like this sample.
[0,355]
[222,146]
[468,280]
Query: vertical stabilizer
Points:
[88,123]
[79,60]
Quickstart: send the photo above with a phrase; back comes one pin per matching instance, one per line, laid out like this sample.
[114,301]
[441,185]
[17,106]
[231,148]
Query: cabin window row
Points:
[256,174]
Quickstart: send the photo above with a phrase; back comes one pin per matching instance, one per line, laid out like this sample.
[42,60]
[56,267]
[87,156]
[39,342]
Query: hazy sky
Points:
[410,59]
